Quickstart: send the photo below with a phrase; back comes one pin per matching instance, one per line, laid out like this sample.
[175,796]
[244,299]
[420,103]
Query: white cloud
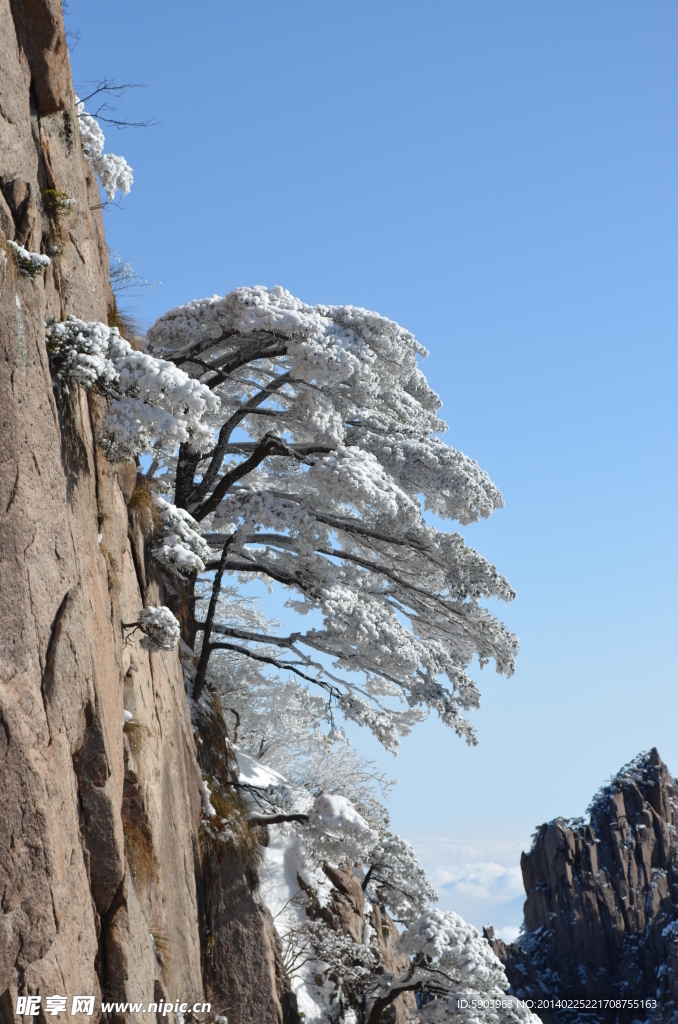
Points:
[509,933]
[476,873]
[481,880]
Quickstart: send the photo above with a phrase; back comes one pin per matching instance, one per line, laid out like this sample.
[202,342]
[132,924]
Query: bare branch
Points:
[109,88]
[112,88]
[201,671]
[275,662]
[269,445]
[124,123]
[210,477]
[275,819]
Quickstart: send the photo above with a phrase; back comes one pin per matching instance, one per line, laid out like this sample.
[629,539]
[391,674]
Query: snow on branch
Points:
[337,814]
[114,171]
[322,818]
[181,547]
[32,264]
[449,961]
[84,353]
[154,405]
[455,973]
[356,378]
[327,454]
[160,628]
[395,880]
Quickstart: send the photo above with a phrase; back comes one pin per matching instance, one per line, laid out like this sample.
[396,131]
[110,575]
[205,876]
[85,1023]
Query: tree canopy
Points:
[326,456]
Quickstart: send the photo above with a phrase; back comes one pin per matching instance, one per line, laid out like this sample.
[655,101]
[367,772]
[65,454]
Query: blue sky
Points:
[500,179]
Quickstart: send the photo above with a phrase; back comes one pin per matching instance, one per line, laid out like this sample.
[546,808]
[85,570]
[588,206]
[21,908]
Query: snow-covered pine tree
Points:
[309,451]
[326,454]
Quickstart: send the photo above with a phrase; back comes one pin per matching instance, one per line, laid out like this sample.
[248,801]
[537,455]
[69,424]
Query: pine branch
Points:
[275,819]
[212,472]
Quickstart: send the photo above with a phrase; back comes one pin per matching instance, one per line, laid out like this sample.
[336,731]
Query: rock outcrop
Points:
[601,914]
[98,826]
[393,962]
[39,26]
[347,911]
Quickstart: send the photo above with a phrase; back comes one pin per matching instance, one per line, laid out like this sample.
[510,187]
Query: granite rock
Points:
[601,914]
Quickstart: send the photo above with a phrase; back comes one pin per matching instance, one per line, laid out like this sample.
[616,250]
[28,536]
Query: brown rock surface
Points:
[393,963]
[240,961]
[242,969]
[601,914]
[40,32]
[99,853]
[347,909]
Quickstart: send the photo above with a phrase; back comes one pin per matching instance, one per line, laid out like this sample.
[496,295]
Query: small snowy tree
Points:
[455,973]
[114,171]
[395,881]
[160,628]
[31,264]
[326,454]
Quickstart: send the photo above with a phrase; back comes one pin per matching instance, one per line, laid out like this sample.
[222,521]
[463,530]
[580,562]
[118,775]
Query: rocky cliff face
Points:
[110,885]
[601,914]
[101,865]
[98,827]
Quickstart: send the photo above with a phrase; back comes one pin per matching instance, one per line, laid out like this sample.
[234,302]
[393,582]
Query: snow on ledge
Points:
[253,773]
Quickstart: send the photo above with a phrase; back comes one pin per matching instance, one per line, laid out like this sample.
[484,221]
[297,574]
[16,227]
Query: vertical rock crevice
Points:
[39,26]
